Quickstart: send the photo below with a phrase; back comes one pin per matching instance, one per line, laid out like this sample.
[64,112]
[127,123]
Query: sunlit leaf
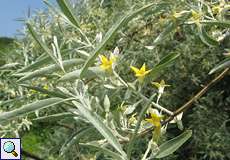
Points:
[222,65]
[91,72]
[113,30]
[68,11]
[100,126]
[51,69]
[41,104]
[205,38]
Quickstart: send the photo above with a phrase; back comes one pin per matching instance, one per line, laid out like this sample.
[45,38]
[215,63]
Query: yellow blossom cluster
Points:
[155,119]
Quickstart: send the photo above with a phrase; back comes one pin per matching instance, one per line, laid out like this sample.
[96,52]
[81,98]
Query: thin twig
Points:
[197,96]
[188,104]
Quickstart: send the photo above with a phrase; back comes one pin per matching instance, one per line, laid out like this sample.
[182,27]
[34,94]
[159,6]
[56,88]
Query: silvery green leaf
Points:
[9,66]
[40,40]
[106,104]
[82,53]
[74,139]
[131,108]
[149,47]
[64,90]
[91,73]
[172,145]
[222,65]
[50,69]
[109,86]
[99,125]
[54,117]
[114,29]
[6,116]
[180,125]
[68,11]
[116,51]
[98,37]
[104,150]
[80,87]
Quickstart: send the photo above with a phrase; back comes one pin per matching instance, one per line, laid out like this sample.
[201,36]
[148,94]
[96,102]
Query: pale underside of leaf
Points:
[51,68]
[100,126]
[41,104]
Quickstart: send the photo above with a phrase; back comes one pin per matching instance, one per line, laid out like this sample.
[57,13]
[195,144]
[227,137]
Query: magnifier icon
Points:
[9,147]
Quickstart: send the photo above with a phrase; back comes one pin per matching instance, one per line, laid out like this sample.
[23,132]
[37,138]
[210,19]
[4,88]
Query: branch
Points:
[188,104]
[197,96]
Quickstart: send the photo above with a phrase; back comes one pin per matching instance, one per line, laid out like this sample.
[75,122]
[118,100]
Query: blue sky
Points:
[10,10]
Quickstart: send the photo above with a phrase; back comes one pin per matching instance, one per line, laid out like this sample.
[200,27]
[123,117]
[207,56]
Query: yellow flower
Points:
[132,120]
[107,63]
[216,9]
[46,87]
[140,73]
[160,86]
[177,15]
[155,120]
[161,21]
[196,17]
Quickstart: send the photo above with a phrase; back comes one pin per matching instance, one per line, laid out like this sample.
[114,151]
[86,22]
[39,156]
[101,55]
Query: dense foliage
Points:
[99,79]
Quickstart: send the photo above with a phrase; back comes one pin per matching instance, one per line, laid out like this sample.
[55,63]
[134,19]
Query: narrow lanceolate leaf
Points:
[74,139]
[141,117]
[172,145]
[103,149]
[90,73]
[217,23]
[131,108]
[106,104]
[42,60]
[51,93]
[222,65]
[5,116]
[109,35]
[68,11]
[51,69]
[100,126]
[39,41]
[205,38]
[9,66]
[54,117]
[165,62]
[168,29]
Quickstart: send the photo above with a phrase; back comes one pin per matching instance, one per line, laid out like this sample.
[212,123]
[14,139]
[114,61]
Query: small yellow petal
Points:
[162,82]
[106,64]
[146,72]
[143,68]
[139,75]
[136,70]
[149,120]
[156,84]
[156,133]
[113,58]
[104,67]
[103,59]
